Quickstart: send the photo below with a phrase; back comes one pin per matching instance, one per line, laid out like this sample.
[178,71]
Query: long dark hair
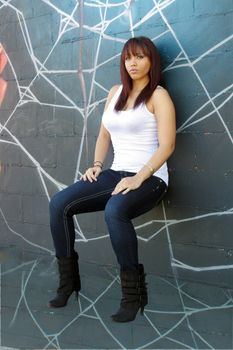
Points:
[149,49]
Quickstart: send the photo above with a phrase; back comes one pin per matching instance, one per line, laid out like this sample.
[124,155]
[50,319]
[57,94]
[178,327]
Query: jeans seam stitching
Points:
[70,205]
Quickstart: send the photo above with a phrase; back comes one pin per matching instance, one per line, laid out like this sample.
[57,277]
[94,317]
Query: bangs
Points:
[132,47]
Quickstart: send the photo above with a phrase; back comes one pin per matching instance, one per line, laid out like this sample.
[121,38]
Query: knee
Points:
[55,204]
[113,213]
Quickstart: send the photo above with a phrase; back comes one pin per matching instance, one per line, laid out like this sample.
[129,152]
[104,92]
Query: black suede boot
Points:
[134,295]
[69,280]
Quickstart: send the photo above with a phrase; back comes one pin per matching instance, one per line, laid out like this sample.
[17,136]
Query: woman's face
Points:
[137,65]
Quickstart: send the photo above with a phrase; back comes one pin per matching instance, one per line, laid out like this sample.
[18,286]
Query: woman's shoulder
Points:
[114,89]
[160,90]
[111,93]
[161,99]
[160,93]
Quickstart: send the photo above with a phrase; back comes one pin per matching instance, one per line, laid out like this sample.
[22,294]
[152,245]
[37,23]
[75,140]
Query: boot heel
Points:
[142,310]
[134,295]
[69,280]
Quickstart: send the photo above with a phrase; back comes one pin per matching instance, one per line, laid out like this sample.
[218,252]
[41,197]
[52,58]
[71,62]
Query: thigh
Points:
[141,200]
[84,196]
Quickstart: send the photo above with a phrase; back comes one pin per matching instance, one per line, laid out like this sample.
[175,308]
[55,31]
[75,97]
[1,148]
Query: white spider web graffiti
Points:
[105,16]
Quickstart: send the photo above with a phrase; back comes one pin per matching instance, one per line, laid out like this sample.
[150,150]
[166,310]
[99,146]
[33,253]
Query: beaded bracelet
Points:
[98,163]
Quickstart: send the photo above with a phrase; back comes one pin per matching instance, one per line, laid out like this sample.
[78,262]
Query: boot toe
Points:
[125,315]
[59,301]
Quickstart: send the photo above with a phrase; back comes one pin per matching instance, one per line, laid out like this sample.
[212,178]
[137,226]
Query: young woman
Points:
[139,121]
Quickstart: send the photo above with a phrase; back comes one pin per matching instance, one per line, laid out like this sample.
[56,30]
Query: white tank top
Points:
[134,137]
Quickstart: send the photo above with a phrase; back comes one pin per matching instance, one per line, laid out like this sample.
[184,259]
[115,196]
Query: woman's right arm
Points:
[102,146]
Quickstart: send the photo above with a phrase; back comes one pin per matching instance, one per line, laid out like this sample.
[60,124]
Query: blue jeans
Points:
[85,196]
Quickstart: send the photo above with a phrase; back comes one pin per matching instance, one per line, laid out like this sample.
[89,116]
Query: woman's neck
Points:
[138,85]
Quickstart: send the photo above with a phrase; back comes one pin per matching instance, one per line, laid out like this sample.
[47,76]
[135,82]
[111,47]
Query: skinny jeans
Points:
[120,209]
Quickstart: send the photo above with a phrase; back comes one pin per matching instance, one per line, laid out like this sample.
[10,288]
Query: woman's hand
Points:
[91,174]
[127,184]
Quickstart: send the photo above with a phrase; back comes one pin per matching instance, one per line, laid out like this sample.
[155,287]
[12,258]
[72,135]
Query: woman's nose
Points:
[133,61]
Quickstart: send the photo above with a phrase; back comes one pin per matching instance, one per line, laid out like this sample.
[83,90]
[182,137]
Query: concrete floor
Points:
[180,315]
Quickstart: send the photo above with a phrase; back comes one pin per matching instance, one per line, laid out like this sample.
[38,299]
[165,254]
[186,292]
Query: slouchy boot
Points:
[69,280]
[134,295]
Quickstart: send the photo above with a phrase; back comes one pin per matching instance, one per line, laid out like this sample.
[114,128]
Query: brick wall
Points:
[62,59]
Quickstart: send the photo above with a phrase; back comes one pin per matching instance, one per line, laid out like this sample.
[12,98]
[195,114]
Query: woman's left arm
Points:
[164,111]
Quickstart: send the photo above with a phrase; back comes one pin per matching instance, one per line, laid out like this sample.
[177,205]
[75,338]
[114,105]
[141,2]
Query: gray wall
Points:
[63,57]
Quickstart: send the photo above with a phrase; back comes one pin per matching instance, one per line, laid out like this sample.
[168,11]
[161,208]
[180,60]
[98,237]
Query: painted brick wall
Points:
[58,60]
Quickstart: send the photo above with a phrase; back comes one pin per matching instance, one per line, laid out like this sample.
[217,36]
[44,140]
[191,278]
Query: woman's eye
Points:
[140,56]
